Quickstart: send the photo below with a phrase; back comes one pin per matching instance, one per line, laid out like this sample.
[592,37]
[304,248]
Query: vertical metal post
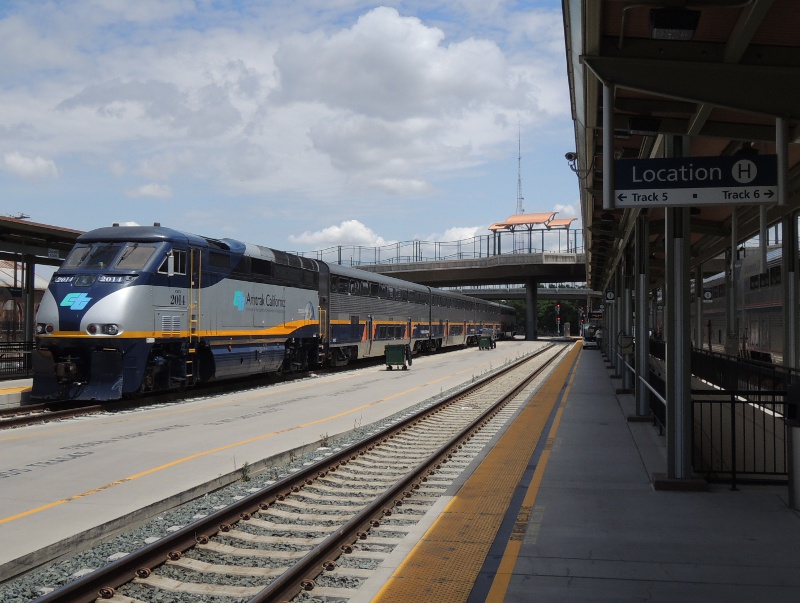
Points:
[762,237]
[700,331]
[29,292]
[678,364]
[616,358]
[531,302]
[791,338]
[791,354]
[732,341]
[627,316]
[608,145]
[677,335]
[782,150]
[642,260]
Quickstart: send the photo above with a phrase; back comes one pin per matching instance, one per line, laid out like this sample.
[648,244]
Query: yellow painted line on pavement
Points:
[218,449]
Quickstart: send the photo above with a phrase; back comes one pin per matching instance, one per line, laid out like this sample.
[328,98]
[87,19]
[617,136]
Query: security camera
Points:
[571,156]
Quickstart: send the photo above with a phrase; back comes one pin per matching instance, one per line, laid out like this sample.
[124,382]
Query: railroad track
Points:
[322,529]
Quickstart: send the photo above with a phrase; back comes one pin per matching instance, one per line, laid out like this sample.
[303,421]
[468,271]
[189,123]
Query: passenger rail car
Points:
[140,309]
[759,308]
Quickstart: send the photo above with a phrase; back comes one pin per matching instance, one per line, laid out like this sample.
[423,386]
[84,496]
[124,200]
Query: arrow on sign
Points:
[621,197]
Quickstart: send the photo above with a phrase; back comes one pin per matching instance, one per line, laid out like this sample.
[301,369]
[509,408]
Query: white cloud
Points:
[158,191]
[27,167]
[457,233]
[566,210]
[349,232]
[330,105]
[391,67]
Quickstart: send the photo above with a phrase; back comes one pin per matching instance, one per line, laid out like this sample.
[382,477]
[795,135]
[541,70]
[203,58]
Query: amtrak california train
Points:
[139,309]
[759,308]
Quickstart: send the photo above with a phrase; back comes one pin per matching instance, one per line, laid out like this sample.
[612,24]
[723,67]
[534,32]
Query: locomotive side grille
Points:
[170,324]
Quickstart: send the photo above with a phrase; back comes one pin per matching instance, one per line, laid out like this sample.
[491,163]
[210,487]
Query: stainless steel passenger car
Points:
[759,308]
[138,309]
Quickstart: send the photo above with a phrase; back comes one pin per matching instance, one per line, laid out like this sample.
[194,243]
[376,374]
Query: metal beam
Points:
[764,89]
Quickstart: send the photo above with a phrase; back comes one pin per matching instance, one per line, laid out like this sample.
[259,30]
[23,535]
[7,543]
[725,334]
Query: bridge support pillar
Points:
[531,309]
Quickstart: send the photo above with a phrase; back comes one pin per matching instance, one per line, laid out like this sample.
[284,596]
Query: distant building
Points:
[12,313]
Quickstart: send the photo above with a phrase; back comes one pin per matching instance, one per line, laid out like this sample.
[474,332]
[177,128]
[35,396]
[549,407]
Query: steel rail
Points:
[301,575]
[103,581]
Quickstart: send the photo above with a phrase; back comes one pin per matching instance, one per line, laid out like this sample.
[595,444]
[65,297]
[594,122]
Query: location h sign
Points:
[696,181]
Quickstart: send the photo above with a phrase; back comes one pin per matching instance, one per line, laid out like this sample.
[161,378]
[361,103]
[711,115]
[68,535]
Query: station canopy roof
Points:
[531,221]
[47,245]
[716,73]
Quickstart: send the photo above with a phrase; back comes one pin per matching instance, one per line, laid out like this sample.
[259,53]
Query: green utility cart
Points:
[485,342]
[398,355]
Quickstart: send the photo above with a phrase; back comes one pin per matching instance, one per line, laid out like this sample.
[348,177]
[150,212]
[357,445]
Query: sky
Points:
[295,124]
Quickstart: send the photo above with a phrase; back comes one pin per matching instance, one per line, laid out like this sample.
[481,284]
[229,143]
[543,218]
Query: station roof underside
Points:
[723,89]
[48,245]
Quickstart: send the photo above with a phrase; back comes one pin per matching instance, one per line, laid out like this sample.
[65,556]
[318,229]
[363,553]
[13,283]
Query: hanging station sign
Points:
[691,181]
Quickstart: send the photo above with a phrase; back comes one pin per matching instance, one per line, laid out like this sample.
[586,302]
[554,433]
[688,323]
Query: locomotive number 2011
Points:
[178,298]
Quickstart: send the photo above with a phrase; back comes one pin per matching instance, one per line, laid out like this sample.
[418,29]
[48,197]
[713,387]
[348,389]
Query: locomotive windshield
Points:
[104,256]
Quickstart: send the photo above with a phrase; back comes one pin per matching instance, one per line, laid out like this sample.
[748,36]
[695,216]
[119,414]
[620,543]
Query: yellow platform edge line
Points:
[444,565]
[502,578]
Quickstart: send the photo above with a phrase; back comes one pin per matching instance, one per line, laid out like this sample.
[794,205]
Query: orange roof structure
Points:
[529,221]
[561,223]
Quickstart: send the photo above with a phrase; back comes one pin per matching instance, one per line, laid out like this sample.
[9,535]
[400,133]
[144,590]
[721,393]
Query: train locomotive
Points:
[140,309]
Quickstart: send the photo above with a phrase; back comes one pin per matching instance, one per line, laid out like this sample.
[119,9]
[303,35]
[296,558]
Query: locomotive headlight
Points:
[109,329]
[44,328]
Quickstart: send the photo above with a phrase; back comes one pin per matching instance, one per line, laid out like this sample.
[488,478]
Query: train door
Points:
[369,335]
[172,305]
[356,335]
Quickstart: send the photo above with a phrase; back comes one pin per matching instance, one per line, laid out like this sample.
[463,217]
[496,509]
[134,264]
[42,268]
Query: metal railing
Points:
[556,241]
[738,418]
[15,359]
[736,436]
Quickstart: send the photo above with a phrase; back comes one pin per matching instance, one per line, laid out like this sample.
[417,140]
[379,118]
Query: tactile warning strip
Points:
[445,563]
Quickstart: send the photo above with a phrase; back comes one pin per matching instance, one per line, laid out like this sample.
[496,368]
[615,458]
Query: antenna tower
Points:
[520,198]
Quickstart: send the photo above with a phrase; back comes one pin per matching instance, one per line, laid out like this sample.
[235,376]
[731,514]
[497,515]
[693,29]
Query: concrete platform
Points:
[14,392]
[599,531]
[585,523]
[67,484]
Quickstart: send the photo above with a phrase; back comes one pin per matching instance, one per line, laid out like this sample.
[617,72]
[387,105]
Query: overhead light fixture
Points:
[644,126]
[673,23]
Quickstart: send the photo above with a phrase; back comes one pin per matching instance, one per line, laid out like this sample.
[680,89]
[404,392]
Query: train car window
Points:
[344,285]
[364,288]
[754,282]
[374,289]
[764,280]
[390,293]
[219,260]
[382,293]
[354,285]
[404,295]
[103,256]
[179,263]
[75,257]
[775,275]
